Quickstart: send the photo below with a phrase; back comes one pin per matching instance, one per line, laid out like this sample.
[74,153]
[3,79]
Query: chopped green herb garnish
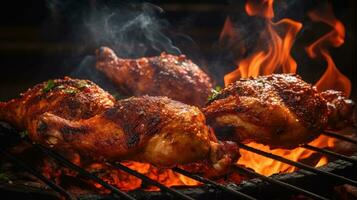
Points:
[70,91]
[24,133]
[82,84]
[4,177]
[214,93]
[218,88]
[50,84]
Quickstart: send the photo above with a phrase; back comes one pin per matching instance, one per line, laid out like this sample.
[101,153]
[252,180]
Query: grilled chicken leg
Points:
[156,130]
[279,110]
[166,75]
[72,99]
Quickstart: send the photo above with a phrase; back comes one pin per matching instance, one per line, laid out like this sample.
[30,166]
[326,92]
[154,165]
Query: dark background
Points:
[41,40]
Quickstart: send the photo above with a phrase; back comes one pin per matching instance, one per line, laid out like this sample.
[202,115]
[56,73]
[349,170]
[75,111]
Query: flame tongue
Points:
[267,166]
[276,56]
[263,8]
[332,78]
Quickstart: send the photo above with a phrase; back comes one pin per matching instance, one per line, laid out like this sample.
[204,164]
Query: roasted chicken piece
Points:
[72,99]
[156,130]
[166,75]
[279,110]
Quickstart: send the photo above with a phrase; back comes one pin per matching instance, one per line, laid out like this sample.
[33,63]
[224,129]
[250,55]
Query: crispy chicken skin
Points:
[279,110]
[166,75]
[340,109]
[156,130]
[72,99]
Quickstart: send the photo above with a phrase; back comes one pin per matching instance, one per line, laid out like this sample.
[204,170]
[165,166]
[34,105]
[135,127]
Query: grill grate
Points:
[280,183]
[331,153]
[117,193]
[340,137]
[37,174]
[150,181]
[299,165]
[210,182]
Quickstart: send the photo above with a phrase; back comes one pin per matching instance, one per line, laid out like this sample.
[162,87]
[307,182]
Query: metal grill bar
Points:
[339,136]
[215,184]
[280,183]
[150,181]
[115,190]
[330,153]
[37,174]
[298,164]
[83,172]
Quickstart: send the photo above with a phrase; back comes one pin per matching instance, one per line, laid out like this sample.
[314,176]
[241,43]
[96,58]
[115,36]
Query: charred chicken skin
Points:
[72,99]
[166,75]
[156,130]
[279,110]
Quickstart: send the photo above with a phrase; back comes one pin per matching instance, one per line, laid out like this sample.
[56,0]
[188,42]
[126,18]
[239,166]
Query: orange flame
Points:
[128,182]
[262,8]
[267,166]
[276,58]
[332,78]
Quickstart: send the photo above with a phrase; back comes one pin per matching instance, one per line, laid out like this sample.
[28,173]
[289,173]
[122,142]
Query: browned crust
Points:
[67,97]
[300,97]
[176,77]
[141,118]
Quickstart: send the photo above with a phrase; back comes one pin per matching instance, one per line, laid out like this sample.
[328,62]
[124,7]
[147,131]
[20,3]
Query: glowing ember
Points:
[276,58]
[128,182]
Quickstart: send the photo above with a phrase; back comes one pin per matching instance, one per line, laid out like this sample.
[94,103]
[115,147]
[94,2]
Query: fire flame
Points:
[276,58]
[128,182]
[332,78]
[267,166]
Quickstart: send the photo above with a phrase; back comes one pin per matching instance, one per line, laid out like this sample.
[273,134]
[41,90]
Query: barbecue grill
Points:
[307,182]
